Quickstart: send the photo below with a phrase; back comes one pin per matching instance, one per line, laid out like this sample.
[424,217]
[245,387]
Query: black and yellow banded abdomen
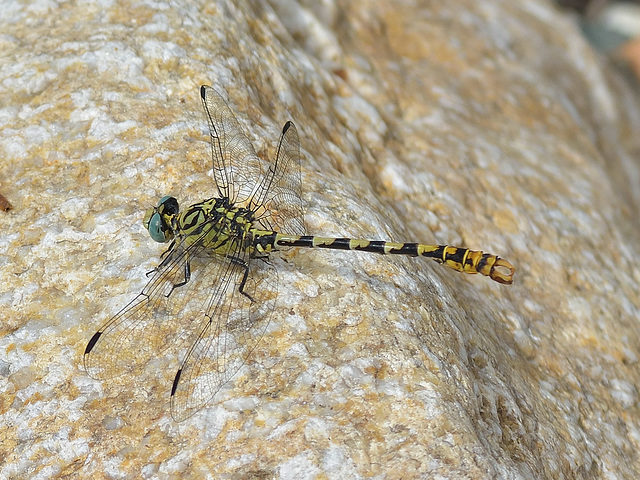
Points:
[459,259]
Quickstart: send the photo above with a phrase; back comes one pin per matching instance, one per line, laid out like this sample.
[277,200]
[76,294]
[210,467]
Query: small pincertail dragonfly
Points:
[218,313]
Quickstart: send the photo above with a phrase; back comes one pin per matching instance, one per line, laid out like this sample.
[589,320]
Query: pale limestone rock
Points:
[488,124]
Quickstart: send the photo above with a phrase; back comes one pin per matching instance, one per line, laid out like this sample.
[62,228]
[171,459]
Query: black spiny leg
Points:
[241,263]
[187,276]
[166,258]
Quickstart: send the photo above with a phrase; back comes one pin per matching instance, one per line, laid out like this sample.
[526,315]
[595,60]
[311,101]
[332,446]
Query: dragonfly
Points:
[214,291]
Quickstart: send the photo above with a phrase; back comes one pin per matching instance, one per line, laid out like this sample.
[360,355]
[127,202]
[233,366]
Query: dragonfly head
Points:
[158,219]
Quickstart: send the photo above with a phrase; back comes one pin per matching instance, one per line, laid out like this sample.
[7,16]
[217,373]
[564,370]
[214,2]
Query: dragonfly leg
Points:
[245,266]
[166,258]
[187,276]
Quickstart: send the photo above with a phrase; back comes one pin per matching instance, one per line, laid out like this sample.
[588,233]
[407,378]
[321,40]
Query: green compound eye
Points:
[168,205]
[155,222]
[157,228]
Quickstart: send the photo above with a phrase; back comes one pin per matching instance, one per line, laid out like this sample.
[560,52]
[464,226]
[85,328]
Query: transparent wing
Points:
[277,201]
[236,167]
[231,328]
[160,317]
[273,189]
[136,333]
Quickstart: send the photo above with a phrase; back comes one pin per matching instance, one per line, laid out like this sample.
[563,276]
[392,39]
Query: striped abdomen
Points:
[459,259]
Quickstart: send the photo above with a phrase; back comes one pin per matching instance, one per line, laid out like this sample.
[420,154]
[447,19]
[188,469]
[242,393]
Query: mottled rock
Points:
[490,125]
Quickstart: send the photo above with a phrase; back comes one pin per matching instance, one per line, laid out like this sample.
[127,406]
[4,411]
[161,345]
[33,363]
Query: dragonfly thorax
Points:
[211,223]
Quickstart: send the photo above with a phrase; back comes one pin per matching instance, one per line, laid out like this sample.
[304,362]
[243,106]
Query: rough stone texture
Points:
[485,124]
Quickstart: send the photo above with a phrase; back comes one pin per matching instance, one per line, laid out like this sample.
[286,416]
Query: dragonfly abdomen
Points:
[470,261]
[459,259]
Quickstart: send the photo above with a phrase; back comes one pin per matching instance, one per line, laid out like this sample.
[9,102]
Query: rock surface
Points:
[490,125]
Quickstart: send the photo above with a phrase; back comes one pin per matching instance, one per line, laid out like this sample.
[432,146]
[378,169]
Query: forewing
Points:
[139,331]
[278,199]
[230,330]
[159,320]
[236,167]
